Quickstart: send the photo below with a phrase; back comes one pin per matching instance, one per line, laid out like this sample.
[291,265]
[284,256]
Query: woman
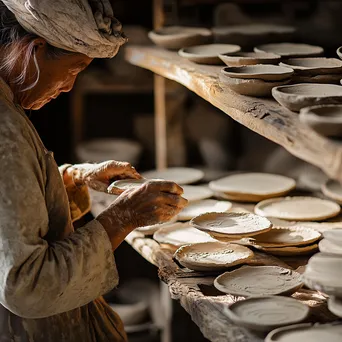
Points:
[51,275]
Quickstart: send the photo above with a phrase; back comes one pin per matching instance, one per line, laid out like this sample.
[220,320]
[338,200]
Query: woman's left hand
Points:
[100,176]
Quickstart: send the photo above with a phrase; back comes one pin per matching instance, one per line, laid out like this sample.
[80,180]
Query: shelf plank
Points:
[264,116]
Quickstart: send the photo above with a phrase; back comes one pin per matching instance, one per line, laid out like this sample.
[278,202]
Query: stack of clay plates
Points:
[255,281]
[287,241]
[255,80]
[267,312]
[315,70]
[208,54]
[212,256]
[252,187]
[324,272]
[298,208]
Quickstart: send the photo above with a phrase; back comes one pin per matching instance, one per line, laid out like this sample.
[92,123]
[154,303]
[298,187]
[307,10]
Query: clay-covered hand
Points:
[100,176]
[152,203]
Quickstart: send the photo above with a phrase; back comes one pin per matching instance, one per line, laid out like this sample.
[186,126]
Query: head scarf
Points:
[85,26]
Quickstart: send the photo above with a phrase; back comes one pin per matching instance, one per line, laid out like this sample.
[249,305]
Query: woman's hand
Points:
[100,176]
[152,203]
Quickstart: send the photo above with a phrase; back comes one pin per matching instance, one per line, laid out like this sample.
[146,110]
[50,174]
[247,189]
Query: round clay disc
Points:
[290,251]
[212,256]
[180,234]
[306,333]
[267,313]
[179,175]
[333,190]
[329,247]
[127,184]
[298,208]
[232,224]
[335,306]
[201,207]
[196,193]
[287,237]
[258,186]
[334,235]
[254,281]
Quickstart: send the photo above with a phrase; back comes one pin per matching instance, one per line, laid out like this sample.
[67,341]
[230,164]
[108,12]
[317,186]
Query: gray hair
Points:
[21,43]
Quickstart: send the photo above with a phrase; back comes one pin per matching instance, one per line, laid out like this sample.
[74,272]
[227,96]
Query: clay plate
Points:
[180,234]
[334,235]
[179,175]
[339,52]
[290,251]
[250,87]
[201,207]
[208,54]
[291,50]
[196,193]
[128,184]
[333,190]
[255,281]
[263,72]
[335,306]
[287,237]
[297,96]
[150,230]
[324,273]
[314,66]
[325,120]
[306,333]
[298,208]
[260,185]
[232,224]
[267,313]
[330,247]
[212,256]
[250,58]
[178,37]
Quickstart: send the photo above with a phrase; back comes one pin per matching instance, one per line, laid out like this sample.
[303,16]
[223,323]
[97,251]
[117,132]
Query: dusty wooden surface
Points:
[263,116]
[195,290]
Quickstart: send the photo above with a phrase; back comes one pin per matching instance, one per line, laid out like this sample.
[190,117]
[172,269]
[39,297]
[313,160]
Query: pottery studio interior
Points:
[232,109]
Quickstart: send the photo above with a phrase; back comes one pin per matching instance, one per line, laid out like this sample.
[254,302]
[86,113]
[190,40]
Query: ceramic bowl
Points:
[208,54]
[325,120]
[291,50]
[314,66]
[298,96]
[250,58]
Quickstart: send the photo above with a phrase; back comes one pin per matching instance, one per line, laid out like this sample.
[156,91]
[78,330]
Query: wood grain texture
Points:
[264,116]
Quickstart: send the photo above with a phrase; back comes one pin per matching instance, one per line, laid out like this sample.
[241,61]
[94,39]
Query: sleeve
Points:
[79,199]
[38,279]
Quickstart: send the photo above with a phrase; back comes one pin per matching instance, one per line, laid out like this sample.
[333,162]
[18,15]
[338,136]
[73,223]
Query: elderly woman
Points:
[51,275]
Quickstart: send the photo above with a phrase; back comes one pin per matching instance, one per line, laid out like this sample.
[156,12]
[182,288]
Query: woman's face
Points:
[57,75]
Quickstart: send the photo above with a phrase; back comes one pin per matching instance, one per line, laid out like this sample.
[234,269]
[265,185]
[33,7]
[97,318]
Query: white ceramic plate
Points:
[212,256]
[254,281]
[267,313]
[232,224]
[179,175]
[196,193]
[201,207]
[298,208]
[180,234]
[291,49]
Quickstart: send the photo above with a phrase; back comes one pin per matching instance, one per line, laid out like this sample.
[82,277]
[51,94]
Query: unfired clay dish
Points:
[290,251]
[333,190]
[297,96]
[325,120]
[180,234]
[212,256]
[267,313]
[263,72]
[196,193]
[335,306]
[208,54]
[178,37]
[324,273]
[291,49]
[150,230]
[232,224]
[250,87]
[306,333]
[330,247]
[179,175]
[314,66]
[339,52]
[287,237]
[250,58]
[334,235]
[298,208]
[257,185]
[254,281]
[128,184]
[201,207]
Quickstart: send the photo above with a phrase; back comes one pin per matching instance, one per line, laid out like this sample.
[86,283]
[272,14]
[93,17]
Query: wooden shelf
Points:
[264,116]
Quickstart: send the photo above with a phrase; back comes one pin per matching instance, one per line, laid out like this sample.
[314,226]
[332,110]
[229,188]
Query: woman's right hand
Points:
[152,203]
